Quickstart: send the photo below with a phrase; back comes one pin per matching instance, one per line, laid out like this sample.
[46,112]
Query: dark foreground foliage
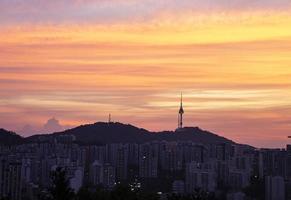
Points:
[60,190]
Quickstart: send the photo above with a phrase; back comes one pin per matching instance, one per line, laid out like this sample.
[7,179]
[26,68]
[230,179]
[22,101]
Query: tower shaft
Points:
[180,125]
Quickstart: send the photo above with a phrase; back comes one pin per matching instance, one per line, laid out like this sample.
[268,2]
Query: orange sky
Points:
[232,65]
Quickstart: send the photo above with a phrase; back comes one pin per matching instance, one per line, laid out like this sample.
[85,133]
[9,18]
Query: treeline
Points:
[61,190]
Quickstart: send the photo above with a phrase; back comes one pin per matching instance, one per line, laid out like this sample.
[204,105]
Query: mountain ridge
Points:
[9,137]
[114,132]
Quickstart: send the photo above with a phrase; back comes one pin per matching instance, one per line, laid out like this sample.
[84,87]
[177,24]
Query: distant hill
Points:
[194,134]
[102,133]
[9,138]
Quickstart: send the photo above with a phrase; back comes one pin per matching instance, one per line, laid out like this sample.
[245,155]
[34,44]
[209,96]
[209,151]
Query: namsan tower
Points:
[181,112]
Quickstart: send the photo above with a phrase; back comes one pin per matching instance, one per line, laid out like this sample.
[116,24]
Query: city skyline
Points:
[78,60]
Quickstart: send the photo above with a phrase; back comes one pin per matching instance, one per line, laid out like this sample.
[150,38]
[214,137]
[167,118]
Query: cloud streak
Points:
[112,11]
[80,60]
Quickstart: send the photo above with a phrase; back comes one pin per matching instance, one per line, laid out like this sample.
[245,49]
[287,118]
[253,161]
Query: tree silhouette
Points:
[198,194]
[256,189]
[84,193]
[60,189]
[5,198]
[101,193]
[122,192]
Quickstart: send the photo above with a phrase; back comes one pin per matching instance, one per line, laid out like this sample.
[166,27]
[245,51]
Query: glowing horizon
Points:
[80,60]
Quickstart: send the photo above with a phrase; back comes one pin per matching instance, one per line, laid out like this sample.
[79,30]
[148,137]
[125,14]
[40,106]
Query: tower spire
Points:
[181,112]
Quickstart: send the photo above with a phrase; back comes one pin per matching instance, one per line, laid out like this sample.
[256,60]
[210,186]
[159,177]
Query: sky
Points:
[64,63]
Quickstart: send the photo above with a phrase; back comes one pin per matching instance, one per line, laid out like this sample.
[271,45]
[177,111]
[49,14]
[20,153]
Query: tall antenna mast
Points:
[181,112]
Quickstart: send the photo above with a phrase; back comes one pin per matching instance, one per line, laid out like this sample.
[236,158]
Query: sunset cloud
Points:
[81,60]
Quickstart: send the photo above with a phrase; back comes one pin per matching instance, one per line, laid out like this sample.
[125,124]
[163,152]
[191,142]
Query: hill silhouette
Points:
[104,133]
[9,138]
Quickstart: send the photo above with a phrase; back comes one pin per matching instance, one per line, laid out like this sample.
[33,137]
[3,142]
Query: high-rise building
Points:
[200,175]
[46,166]
[121,163]
[238,179]
[108,176]
[148,161]
[132,153]
[288,162]
[275,188]
[26,171]
[194,152]
[132,171]
[96,173]
[171,157]
[10,179]
[273,162]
